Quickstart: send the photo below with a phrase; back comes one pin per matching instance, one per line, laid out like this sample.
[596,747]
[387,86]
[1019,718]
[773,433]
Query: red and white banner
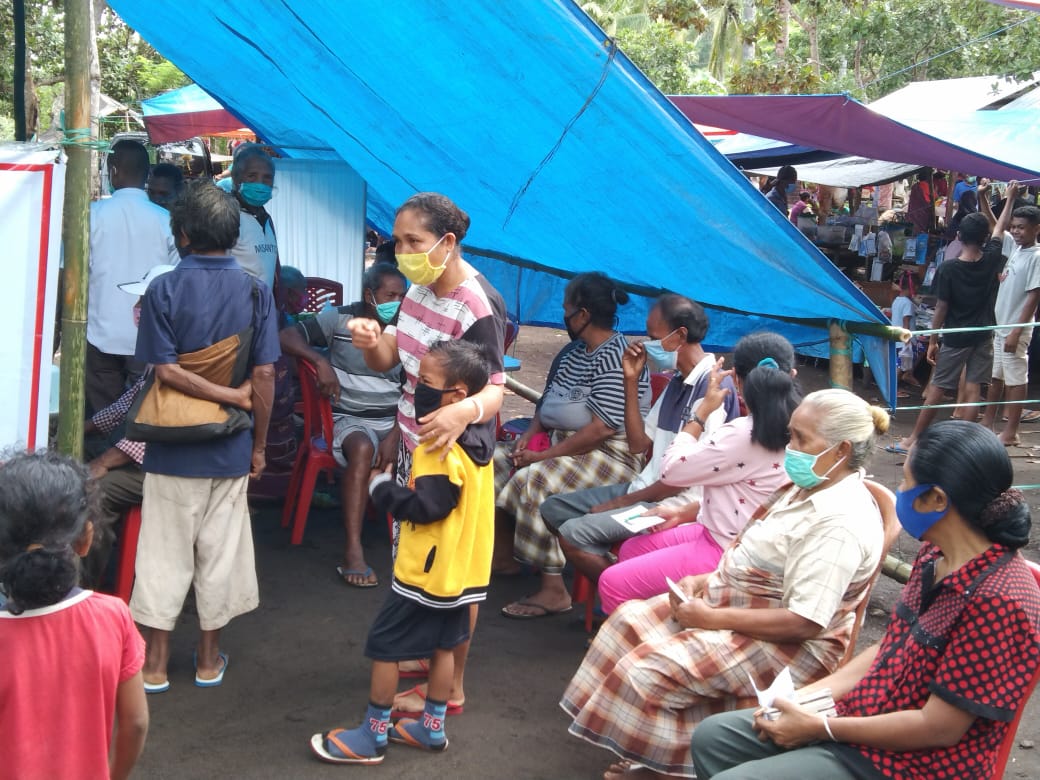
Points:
[32,186]
[1026,5]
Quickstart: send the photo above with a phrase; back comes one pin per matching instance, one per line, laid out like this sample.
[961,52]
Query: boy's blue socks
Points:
[369,739]
[426,733]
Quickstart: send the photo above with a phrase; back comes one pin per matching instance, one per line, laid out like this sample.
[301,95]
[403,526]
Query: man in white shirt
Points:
[252,184]
[128,236]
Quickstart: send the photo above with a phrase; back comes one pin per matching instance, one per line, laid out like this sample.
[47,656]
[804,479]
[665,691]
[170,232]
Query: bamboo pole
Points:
[75,228]
[841,356]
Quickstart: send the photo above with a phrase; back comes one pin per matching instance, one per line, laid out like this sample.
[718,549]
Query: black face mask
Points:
[573,334]
[428,399]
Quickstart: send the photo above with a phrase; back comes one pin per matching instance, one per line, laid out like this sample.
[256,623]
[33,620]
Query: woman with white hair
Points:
[784,595]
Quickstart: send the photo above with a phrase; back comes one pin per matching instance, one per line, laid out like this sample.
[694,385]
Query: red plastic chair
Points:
[320,292]
[314,454]
[127,561]
[1009,740]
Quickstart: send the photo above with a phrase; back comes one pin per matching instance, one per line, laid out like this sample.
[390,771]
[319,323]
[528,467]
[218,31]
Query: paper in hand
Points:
[782,688]
[633,520]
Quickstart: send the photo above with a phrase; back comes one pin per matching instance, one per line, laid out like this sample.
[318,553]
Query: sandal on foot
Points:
[329,747]
[415,674]
[509,610]
[157,687]
[454,707]
[400,735]
[211,682]
[345,573]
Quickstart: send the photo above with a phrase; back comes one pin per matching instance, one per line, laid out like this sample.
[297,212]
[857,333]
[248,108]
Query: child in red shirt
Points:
[71,658]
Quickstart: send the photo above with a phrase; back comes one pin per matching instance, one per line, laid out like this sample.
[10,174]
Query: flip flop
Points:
[902,394]
[211,682]
[416,674]
[400,736]
[545,611]
[1028,415]
[157,687]
[897,449]
[454,707]
[344,572]
[328,747]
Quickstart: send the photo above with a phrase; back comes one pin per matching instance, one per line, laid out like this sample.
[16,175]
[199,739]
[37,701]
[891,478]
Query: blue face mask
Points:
[255,193]
[799,467]
[916,523]
[660,359]
[386,311]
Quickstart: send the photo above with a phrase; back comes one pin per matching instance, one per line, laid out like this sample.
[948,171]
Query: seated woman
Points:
[583,406]
[934,699]
[783,595]
[739,467]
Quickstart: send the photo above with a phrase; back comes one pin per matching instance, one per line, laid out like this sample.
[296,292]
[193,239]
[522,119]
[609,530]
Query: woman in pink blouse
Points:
[739,466]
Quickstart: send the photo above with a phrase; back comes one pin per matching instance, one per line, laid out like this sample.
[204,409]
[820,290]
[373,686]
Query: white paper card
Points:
[632,519]
[673,586]
[782,688]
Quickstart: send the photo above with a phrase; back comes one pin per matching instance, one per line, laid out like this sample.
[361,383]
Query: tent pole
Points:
[75,227]
[841,357]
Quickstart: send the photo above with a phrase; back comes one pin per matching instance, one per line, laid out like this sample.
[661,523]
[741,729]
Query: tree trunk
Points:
[20,81]
[813,32]
[747,18]
[75,229]
[784,8]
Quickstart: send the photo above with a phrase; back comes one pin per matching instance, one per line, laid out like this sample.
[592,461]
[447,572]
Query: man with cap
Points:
[128,235]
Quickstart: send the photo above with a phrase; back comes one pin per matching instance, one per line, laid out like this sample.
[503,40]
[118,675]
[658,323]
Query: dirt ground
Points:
[297,667]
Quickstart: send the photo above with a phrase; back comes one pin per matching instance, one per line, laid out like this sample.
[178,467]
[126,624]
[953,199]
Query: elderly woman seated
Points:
[584,409]
[783,595]
[936,697]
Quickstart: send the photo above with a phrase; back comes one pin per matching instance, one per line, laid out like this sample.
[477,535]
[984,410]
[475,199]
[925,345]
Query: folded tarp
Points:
[847,172]
[185,113]
[837,123]
[526,114]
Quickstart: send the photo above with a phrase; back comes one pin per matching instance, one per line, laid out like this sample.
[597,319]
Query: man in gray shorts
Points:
[966,288]
[364,402]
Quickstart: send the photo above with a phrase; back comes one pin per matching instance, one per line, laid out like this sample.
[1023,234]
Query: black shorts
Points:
[405,630]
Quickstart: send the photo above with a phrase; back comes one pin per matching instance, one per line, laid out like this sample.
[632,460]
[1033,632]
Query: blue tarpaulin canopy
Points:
[526,114]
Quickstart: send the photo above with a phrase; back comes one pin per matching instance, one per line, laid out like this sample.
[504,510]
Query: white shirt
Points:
[128,236]
[662,438]
[257,249]
[1021,276]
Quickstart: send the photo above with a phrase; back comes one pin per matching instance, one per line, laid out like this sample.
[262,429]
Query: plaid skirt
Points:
[645,683]
[522,495]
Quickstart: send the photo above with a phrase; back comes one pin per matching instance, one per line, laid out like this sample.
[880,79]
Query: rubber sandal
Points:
[211,682]
[323,744]
[398,735]
[344,572]
[416,674]
[157,687]
[897,449]
[454,707]
[545,611]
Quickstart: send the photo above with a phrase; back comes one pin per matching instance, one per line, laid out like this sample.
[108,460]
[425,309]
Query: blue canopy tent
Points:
[565,156]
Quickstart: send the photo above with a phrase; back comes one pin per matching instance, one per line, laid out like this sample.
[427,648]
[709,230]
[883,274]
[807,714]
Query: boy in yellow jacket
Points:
[443,565]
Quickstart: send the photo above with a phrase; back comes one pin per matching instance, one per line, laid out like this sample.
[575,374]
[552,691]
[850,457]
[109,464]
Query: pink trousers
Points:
[645,560]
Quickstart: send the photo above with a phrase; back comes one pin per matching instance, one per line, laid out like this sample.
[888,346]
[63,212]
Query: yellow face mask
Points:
[417,267]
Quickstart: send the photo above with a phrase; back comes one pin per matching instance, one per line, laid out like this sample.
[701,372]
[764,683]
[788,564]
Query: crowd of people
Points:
[753,499]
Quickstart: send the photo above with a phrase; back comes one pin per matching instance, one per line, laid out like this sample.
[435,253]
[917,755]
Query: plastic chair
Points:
[314,454]
[321,292]
[127,561]
[1009,739]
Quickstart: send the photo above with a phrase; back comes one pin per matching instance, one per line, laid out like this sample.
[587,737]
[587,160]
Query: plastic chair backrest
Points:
[320,292]
[658,382]
[1009,739]
[317,409]
[512,330]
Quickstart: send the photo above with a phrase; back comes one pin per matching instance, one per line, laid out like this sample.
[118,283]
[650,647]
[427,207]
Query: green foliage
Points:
[774,77]
[665,58]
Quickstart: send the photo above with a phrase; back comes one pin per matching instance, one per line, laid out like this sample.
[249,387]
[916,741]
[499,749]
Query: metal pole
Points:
[75,228]
[21,131]
[840,357]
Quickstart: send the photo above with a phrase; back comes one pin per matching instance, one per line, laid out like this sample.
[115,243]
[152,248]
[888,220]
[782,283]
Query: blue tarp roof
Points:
[565,156]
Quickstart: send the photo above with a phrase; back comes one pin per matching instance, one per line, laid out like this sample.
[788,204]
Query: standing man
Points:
[195,527]
[252,184]
[364,401]
[128,236]
[786,177]
[164,184]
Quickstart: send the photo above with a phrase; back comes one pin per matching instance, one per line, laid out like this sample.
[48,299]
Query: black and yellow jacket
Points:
[447,517]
